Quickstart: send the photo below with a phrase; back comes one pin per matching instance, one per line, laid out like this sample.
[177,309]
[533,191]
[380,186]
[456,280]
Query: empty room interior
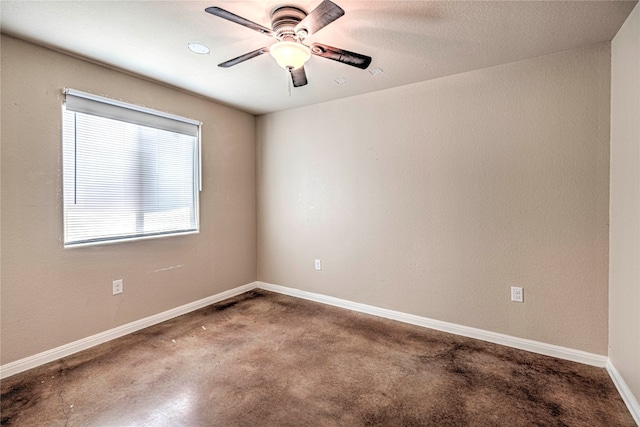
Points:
[434,220]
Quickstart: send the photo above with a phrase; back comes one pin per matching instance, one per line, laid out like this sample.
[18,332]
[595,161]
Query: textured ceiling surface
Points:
[409,41]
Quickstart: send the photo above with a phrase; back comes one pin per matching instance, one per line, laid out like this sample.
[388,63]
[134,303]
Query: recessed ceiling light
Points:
[198,48]
[340,80]
[376,71]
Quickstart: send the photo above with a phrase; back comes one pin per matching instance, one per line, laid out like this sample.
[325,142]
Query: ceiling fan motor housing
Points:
[284,20]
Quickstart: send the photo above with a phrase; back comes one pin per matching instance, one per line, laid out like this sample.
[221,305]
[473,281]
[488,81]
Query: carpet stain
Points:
[265,359]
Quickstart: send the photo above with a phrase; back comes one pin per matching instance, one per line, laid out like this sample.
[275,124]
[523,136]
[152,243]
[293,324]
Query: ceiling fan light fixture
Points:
[290,55]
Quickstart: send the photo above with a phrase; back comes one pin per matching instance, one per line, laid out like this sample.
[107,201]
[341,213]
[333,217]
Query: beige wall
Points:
[52,296]
[433,199]
[624,261]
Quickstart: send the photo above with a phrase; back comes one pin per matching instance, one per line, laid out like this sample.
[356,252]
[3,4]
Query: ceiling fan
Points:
[290,26]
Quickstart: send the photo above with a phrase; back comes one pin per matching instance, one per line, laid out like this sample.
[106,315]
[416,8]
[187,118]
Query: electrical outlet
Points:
[517,294]
[318,265]
[117,287]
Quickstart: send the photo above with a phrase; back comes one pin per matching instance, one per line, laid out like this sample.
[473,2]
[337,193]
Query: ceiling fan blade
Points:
[320,17]
[225,14]
[242,58]
[298,76]
[340,55]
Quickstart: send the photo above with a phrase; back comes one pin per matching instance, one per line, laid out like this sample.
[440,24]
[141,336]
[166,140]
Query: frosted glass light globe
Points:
[290,54]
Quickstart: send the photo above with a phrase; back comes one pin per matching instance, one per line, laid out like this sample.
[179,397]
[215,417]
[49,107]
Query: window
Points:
[128,172]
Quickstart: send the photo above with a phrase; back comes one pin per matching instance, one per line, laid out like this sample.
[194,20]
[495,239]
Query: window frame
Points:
[103,107]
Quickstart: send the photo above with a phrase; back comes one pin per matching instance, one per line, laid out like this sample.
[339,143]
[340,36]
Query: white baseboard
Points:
[82,344]
[466,331]
[625,392]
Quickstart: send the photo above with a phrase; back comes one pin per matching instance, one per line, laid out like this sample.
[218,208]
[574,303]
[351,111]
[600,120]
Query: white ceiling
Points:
[410,41]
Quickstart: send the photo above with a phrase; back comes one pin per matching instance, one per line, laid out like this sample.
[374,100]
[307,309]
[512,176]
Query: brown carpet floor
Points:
[264,359]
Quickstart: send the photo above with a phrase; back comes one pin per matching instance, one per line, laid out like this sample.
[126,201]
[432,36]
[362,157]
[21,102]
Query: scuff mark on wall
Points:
[173,267]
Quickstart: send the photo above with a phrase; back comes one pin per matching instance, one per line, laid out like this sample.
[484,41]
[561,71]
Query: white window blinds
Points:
[129,172]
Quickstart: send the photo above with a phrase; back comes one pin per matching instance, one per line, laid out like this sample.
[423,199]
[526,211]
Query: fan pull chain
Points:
[289,84]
